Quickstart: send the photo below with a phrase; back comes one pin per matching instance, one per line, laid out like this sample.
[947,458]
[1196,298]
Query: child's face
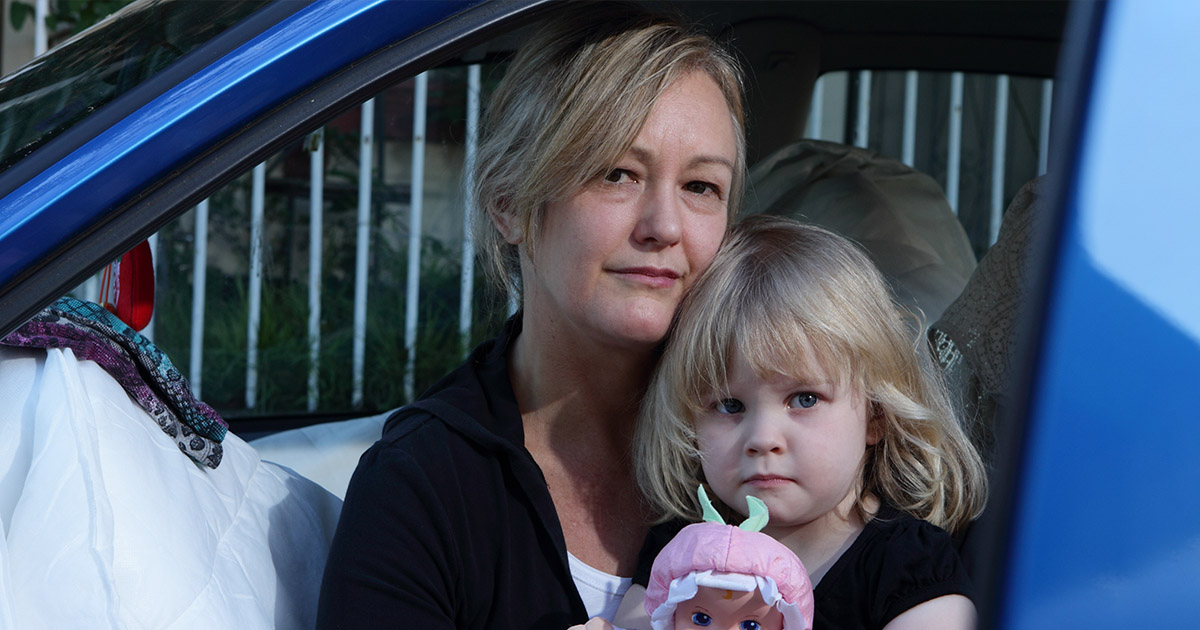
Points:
[798,446]
[720,609]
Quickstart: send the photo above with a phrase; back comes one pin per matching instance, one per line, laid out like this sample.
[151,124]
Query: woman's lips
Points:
[656,277]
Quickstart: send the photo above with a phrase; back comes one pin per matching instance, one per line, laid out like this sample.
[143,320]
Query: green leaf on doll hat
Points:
[754,523]
[758,515]
[710,512]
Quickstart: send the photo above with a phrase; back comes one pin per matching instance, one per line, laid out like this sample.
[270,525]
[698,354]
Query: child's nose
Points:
[764,435]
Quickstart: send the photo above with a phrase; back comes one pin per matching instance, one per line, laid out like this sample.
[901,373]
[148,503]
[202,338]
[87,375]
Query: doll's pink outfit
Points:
[727,557]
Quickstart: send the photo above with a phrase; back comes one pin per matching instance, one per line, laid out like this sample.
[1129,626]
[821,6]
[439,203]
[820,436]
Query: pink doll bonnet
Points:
[722,556]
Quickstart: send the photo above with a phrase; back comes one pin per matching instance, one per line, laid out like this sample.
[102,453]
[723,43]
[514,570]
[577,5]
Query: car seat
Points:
[975,338]
[900,216]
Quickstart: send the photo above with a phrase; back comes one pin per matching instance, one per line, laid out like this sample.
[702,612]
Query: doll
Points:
[713,575]
[720,577]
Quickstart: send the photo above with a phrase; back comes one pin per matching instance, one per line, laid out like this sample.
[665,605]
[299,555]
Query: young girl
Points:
[792,375]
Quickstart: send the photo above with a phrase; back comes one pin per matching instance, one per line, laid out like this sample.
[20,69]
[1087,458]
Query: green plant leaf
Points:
[18,12]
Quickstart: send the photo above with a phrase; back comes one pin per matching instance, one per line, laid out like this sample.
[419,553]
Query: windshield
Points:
[57,90]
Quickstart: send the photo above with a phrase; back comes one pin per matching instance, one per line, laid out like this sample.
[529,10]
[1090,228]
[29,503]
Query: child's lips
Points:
[767,481]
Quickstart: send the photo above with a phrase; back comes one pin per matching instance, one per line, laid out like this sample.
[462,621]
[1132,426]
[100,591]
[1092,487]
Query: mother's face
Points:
[612,261]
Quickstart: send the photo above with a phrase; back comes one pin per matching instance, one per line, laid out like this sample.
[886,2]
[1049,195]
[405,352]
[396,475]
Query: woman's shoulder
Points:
[896,562]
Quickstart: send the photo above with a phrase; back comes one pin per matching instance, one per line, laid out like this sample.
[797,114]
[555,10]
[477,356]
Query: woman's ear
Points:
[507,223]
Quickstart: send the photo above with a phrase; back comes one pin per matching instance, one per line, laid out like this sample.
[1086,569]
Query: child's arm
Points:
[949,612]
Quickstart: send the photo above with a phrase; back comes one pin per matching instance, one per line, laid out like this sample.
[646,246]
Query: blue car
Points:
[334,280]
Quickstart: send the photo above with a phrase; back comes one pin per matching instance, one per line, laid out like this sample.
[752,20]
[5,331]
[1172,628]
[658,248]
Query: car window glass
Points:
[57,90]
[205,321]
[981,136]
[357,361]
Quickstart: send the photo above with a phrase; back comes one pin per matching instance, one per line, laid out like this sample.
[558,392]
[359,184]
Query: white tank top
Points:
[600,591]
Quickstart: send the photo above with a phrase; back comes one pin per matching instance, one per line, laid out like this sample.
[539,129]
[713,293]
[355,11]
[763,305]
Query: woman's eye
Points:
[617,175]
[700,188]
[730,405]
[803,401]
[701,619]
[748,625]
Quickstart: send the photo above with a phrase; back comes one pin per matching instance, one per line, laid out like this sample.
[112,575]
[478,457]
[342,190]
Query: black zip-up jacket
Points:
[448,522]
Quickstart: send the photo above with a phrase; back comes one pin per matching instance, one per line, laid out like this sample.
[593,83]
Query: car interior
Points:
[917,128]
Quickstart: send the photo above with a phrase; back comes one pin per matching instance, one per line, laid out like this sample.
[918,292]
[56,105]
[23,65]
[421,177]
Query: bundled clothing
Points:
[142,369]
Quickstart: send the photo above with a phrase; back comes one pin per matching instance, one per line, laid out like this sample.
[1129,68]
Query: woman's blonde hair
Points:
[570,105]
[789,296]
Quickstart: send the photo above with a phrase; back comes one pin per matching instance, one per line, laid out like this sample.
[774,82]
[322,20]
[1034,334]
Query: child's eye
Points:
[749,624]
[701,619]
[730,405]
[803,400]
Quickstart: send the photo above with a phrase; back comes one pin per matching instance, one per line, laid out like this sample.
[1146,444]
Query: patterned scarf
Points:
[95,334]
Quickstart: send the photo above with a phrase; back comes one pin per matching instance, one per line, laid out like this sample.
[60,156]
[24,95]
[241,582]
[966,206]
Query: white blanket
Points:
[107,525]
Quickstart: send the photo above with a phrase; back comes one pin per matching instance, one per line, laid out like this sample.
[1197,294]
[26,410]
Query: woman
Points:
[612,160]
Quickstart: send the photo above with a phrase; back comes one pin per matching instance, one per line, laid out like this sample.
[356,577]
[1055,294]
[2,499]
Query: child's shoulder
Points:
[897,562]
[895,534]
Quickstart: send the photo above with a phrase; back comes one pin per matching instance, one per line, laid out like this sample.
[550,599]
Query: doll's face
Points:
[720,609]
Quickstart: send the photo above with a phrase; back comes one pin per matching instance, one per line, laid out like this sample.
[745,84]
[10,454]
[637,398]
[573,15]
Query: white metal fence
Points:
[830,109]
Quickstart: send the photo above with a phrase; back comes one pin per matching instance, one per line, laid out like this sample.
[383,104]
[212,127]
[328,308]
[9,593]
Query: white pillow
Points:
[108,524]
[326,453]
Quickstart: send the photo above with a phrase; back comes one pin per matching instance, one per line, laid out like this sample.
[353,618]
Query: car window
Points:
[981,136]
[259,304]
[238,319]
[59,89]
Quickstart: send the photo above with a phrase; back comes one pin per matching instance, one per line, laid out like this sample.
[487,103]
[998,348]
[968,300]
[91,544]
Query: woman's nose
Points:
[763,435]
[660,221]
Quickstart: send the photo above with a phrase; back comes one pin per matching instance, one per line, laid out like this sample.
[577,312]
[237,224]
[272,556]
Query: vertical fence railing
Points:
[258,189]
[816,110]
[416,208]
[1044,128]
[199,286]
[862,121]
[999,151]
[908,138]
[316,206]
[41,38]
[362,250]
[954,140]
[365,193]
[467,283]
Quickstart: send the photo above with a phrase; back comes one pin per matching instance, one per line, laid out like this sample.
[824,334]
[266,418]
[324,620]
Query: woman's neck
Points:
[579,405]
[576,388]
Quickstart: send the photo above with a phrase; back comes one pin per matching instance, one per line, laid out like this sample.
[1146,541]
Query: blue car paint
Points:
[1108,526]
[62,201]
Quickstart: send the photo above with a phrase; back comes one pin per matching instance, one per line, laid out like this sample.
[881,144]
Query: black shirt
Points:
[896,562]
[448,522]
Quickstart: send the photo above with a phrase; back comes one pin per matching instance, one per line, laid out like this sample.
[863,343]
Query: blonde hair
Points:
[789,295]
[570,105]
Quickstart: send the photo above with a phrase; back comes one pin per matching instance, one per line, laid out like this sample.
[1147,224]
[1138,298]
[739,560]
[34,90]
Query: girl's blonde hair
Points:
[788,296]
[570,105]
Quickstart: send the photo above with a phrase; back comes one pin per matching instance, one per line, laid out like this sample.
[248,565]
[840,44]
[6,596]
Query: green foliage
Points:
[18,12]
[72,16]
[283,346]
